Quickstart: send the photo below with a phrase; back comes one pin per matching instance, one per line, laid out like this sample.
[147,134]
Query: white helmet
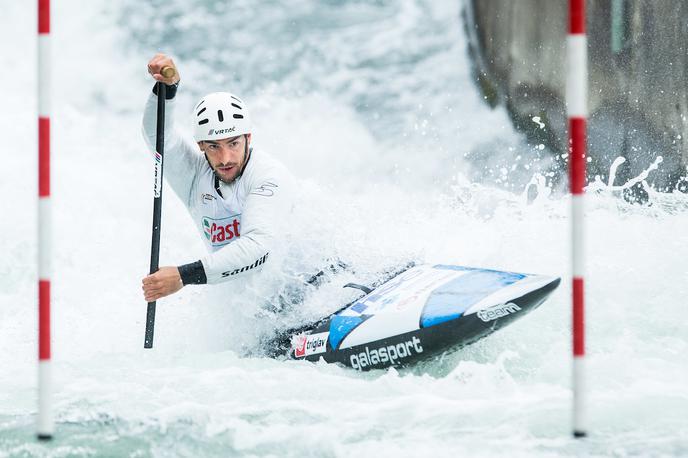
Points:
[220,115]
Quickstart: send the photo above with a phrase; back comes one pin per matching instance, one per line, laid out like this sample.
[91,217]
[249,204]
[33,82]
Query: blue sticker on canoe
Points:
[341,326]
[452,299]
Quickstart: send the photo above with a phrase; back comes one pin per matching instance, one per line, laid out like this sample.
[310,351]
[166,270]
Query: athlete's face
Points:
[226,156]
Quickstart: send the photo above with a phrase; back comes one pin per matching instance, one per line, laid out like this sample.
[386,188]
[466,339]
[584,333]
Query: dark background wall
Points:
[638,102]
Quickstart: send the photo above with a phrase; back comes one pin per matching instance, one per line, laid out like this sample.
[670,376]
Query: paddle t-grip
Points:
[168,72]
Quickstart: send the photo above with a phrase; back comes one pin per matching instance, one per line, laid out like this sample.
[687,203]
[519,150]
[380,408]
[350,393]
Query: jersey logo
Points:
[266,189]
[221,231]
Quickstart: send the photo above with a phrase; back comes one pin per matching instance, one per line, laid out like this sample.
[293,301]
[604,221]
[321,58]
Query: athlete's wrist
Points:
[170,90]
[193,273]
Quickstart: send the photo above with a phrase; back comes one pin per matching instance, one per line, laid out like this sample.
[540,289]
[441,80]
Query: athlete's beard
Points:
[240,167]
[237,168]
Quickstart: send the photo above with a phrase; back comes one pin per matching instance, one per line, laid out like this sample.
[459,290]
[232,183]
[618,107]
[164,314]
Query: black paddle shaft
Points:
[157,208]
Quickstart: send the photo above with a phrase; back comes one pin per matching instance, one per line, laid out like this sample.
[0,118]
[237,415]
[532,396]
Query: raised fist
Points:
[162,68]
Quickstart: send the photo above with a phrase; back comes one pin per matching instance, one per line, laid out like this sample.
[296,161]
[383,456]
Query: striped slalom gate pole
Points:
[577,107]
[45,424]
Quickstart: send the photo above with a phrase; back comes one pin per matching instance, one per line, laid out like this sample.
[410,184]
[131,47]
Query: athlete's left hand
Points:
[162,283]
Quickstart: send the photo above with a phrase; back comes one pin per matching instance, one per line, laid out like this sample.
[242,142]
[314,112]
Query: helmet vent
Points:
[203,121]
[199,113]
[238,116]
[236,106]
[220,116]
[235,99]
[200,103]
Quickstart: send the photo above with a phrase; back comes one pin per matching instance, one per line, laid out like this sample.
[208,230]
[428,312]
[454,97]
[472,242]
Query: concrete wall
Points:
[638,64]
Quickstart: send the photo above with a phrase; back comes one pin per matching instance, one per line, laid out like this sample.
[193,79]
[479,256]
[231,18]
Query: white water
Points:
[372,107]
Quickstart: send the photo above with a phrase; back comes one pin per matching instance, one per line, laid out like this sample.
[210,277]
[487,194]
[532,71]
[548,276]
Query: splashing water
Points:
[372,106]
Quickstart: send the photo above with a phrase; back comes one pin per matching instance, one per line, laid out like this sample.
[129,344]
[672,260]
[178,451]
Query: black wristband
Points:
[193,274]
[170,90]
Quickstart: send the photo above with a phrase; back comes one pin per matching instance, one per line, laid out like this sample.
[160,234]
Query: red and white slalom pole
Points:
[577,107]
[45,424]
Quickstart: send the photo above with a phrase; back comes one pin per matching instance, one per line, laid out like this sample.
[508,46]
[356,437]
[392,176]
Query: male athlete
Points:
[236,195]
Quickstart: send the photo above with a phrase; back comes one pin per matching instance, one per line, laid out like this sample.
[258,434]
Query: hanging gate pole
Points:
[45,423]
[577,107]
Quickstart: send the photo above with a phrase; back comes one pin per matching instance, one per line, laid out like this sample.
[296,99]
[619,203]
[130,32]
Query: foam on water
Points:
[372,107]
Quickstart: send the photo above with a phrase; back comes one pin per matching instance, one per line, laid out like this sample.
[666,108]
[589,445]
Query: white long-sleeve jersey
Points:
[240,221]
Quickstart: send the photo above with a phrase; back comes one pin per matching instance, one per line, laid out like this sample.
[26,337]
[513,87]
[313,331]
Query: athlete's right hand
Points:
[162,283]
[157,63]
